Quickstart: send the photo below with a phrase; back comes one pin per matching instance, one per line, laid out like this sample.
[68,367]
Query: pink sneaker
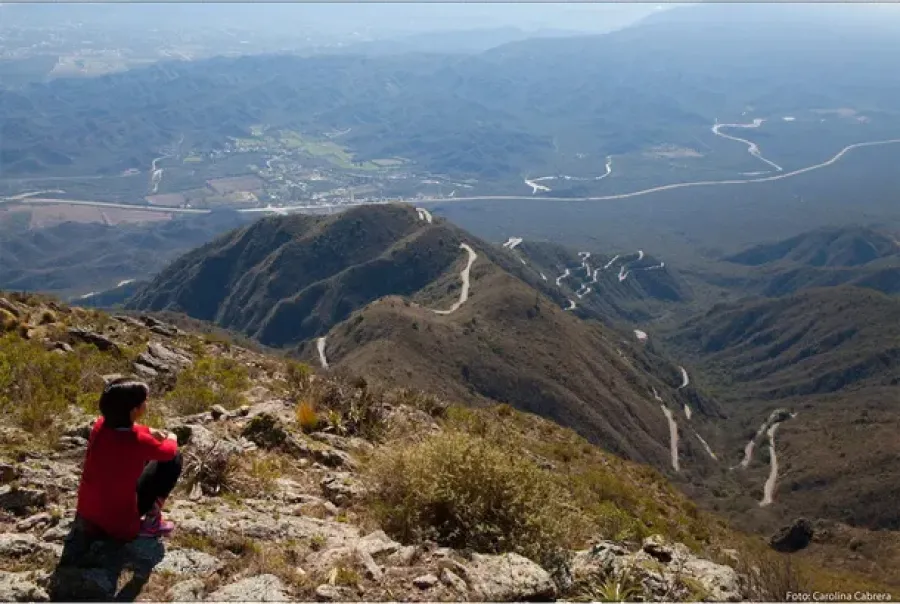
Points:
[154,525]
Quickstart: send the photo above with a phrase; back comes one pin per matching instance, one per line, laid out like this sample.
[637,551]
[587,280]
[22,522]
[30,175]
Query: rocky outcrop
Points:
[262,588]
[509,577]
[161,358]
[659,570]
[793,537]
[87,336]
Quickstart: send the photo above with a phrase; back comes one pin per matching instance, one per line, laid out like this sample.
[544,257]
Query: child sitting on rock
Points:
[129,469]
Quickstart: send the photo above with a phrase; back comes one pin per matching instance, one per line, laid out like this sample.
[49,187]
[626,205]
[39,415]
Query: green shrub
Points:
[465,492]
[209,381]
[37,386]
[298,377]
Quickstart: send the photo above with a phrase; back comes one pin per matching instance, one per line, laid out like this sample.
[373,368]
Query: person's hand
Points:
[159,435]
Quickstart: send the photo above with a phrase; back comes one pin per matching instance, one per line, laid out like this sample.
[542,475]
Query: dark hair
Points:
[120,397]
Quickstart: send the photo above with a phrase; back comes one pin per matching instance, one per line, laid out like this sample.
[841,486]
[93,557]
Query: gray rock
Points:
[128,320]
[657,547]
[186,561]
[403,556]
[144,370]
[453,566]
[218,412]
[63,347]
[261,588]
[599,561]
[345,443]
[719,582]
[425,581]
[91,337]
[163,359]
[187,591]
[378,544]
[453,581]
[20,587]
[41,520]
[371,568]
[332,458]
[18,545]
[10,307]
[19,500]
[81,430]
[202,439]
[341,488]
[166,330]
[72,443]
[59,532]
[334,593]
[509,577]
[168,354]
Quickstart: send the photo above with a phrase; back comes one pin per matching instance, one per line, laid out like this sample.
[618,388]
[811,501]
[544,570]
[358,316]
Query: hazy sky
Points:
[343,17]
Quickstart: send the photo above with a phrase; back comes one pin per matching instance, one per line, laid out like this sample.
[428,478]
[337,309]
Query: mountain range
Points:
[526,106]
[382,288]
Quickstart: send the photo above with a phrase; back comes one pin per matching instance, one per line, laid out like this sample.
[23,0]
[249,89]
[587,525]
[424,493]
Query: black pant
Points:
[157,480]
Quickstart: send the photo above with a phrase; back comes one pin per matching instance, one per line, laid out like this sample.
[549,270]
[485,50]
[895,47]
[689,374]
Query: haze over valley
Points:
[661,238]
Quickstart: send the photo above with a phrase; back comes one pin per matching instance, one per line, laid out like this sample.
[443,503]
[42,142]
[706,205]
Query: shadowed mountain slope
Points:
[371,282]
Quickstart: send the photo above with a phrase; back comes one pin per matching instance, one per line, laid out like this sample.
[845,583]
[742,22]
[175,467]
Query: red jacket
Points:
[107,497]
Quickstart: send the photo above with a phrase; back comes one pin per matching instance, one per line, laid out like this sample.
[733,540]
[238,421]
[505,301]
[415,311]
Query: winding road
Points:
[649,191]
[571,306]
[673,437]
[536,187]
[584,262]
[685,380]
[464,275]
[752,147]
[748,448]
[771,481]
[320,346]
[706,446]
[561,277]
[685,185]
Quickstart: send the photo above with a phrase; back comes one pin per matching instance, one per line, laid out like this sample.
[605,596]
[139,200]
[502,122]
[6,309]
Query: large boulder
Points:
[509,577]
[793,537]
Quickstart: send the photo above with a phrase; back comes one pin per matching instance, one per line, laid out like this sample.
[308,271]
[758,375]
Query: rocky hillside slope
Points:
[302,486]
